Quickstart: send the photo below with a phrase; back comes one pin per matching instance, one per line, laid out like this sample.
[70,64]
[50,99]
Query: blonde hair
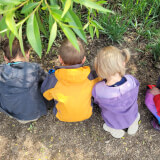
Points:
[111,60]
[69,54]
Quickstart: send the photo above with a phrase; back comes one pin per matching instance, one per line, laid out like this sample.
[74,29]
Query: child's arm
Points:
[41,75]
[154,91]
[94,77]
[48,85]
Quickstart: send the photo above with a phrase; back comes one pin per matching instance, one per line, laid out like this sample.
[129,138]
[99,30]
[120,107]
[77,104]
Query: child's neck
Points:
[19,59]
[113,79]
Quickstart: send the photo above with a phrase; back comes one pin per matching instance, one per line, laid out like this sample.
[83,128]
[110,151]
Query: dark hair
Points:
[16,49]
[69,54]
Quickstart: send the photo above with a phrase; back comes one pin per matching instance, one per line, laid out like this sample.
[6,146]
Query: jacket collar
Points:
[69,67]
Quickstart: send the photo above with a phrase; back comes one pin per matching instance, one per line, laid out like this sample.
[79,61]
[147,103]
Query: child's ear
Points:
[60,59]
[6,59]
[84,59]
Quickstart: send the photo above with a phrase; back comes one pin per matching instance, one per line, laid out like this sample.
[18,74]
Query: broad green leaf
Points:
[3,26]
[21,40]
[94,5]
[7,2]
[33,34]
[28,8]
[66,7]
[77,23]
[11,38]
[70,35]
[41,26]
[53,35]
[11,23]
[91,31]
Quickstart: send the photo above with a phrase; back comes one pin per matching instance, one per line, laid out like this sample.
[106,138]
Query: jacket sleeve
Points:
[94,77]
[94,94]
[47,86]
[41,75]
[157,103]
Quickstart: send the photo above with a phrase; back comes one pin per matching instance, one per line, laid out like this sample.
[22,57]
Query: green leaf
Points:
[11,38]
[85,26]
[41,26]
[70,35]
[77,23]
[91,31]
[66,7]
[53,2]
[96,24]
[97,32]
[51,21]
[33,34]
[94,5]
[7,2]
[11,23]
[28,8]
[3,26]
[55,7]
[21,40]
[57,14]
[53,35]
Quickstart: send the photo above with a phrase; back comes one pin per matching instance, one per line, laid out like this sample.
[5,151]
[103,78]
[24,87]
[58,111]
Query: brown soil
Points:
[50,139]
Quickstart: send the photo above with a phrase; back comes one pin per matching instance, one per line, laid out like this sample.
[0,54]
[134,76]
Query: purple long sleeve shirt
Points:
[119,107]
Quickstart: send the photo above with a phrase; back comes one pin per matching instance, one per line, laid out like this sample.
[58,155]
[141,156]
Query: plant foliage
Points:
[45,18]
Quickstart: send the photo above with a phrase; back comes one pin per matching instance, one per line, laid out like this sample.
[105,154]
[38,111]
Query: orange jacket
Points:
[71,88]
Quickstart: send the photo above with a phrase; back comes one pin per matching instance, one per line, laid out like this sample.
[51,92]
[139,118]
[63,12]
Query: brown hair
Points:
[16,49]
[111,60]
[69,54]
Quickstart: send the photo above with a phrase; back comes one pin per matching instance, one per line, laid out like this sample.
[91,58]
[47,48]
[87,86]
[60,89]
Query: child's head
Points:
[16,51]
[111,60]
[68,55]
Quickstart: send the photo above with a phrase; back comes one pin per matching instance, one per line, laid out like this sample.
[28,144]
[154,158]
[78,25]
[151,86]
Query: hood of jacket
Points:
[72,74]
[17,76]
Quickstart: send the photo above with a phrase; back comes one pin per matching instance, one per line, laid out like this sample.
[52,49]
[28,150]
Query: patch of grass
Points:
[141,16]
[156,50]
[114,26]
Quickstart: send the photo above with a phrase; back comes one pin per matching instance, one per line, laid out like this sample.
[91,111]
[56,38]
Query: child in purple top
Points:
[117,94]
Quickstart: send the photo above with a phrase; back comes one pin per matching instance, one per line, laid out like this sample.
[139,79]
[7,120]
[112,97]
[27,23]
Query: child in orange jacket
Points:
[70,85]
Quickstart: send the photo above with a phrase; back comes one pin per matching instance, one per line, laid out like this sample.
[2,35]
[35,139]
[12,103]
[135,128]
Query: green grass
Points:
[139,16]
[156,50]
[114,26]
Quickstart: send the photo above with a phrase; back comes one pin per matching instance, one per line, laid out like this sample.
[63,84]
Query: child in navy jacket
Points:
[20,80]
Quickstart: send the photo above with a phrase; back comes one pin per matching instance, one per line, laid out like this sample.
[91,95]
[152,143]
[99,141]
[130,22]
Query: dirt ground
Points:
[50,139]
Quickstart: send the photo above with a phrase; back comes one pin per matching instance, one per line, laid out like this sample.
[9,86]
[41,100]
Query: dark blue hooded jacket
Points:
[20,95]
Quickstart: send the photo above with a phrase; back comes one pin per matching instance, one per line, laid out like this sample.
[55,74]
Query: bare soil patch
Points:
[50,139]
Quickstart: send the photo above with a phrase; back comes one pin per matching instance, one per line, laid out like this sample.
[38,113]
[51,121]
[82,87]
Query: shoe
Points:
[155,124]
[24,122]
[116,133]
[134,126]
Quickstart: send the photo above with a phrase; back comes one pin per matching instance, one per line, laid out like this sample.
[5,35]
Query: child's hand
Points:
[155,91]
